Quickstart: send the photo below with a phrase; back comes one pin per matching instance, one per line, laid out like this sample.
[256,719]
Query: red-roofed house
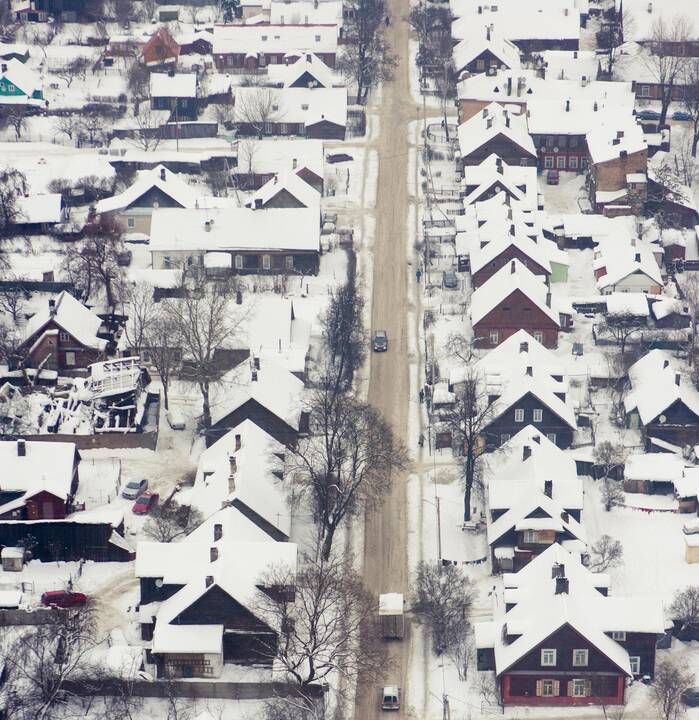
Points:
[161,49]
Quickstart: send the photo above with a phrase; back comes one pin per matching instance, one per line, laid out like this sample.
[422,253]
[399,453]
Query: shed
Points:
[691,542]
[12,559]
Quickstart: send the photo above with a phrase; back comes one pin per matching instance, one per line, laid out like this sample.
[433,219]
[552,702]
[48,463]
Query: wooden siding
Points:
[509,253]
[261,416]
[503,147]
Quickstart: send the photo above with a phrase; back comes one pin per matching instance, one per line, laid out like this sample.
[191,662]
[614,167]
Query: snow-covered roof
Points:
[627,303]
[493,173]
[235,228]
[269,156]
[668,306]
[286,182]
[472,47]
[608,142]
[177,85]
[70,315]
[570,64]
[284,39]
[656,467]
[39,209]
[287,74]
[306,12]
[512,276]
[620,261]
[44,466]
[492,122]
[24,79]
[657,381]
[307,106]
[482,256]
[159,177]
[681,193]
[188,639]
[645,13]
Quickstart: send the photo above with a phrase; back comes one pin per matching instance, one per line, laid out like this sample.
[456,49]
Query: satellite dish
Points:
[159,583]
[662,419]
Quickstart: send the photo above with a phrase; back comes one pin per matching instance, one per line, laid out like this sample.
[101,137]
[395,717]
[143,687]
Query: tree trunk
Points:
[695,142]
[166,400]
[468,484]
[328,542]
[206,413]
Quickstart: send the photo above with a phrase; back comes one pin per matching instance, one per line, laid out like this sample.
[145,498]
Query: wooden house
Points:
[486,53]
[176,92]
[160,49]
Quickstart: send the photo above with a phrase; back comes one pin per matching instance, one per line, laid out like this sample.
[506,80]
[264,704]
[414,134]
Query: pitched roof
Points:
[608,142]
[288,74]
[621,260]
[291,183]
[161,38]
[307,106]
[509,278]
[492,122]
[285,39]
[39,209]
[179,85]
[22,77]
[73,317]
[470,48]
[481,256]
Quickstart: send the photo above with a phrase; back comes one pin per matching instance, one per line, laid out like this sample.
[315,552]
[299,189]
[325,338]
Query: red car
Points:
[145,503]
[63,599]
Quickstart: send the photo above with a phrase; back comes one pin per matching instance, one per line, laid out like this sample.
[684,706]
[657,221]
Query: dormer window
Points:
[317,38]
[548,657]
[263,38]
[304,107]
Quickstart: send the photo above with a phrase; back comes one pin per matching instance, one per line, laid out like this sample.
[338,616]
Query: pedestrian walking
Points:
[418,274]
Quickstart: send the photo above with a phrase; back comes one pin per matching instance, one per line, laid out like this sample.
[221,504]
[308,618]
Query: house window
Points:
[561,162]
[579,688]
[317,38]
[551,437]
[480,64]
[539,336]
[635,663]
[580,658]
[538,415]
[238,262]
[289,262]
[146,357]
[548,161]
[70,359]
[266,262]
[494,337]
[131,222]
[619,635]
[548,655]
[264,37]
[519,415]
[529,537]
[10,88]
[64,337]
[548,688]
[504,438]
[573,142]
[304,107]
[644,91]
[573,163]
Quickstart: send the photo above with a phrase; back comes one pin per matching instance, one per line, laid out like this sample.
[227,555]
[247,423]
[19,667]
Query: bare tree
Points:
[609,458]
[68,125]
[13,299]
[666,188]
[138,79]
[75,68]
[689,285]
[347,462]
[672,678]
[691,100]
[141,309]
[367,59]
[622,327]
[14,117]
[442,600]
[468,420]
[247,149]
[123,11]
[147,121]
[328,625]
[606,553]
[13,186]
[224,113]
[257,109]
[164,351]
[612,494]
[171,520]
[684,609]
[663,62]
[204,320]
[91,129]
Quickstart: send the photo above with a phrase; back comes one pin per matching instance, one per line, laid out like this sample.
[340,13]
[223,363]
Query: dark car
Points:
[553,177]
[380,341]
[144,504]
[648,115]
[134,489]
[690,697]
[63,599]
[449,280]
[681,115]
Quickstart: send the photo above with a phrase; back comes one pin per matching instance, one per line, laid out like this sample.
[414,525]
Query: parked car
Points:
[175,419]
[63,599]
[134,489]
[690,697]
[450,280]
[380,341]
[390,698]
[648,115]
[145,503]
[681,115]
[553,177]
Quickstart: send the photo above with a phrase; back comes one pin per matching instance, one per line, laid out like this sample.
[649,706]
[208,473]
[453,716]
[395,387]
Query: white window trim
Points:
[70,355]
[538,415]
[545,654]
[577,684]
[548,162]
[519,415]
[619,635]
[635,664]
[543,688]
[585,655]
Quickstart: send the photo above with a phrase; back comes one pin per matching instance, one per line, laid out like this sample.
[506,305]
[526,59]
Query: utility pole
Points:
[446,715]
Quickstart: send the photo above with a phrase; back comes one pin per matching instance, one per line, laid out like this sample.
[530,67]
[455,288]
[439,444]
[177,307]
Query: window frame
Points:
[577,683]
[538,415]
[635,661]
[561,162]
[544,687]
[63,336]
[545,653]
[548,162]
[494,336]
[71,356]
[619,635]
[538,336]
[573,162]
[131,223]
[519,415]
[585,654]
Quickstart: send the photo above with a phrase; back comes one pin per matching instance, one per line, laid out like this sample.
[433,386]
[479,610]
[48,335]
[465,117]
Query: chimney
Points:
[567,105]
[512,230]
[509,85]
[637,257]
[233,464]
[650,7]
[558,570]
[294,163]
[565,11]
[620,133]
[666,363]
[213,554]
[238,297]
[480,9]
[678,379]
[489,123]
[207,226]
[3,67]
[308,57]
[253,376]
[616,141]
[548,299]
[507,121]
[526,452]
[209,580]
[524,347]
[21,448]
[487,33]
[256,362]
[162,174]
[562,586]
[537,439]
[258,203]
[594,107]
[171,73]
[575,54]
[529,371]
[623,153]
[238,441]
[512,268]
[548,488]
[218,531]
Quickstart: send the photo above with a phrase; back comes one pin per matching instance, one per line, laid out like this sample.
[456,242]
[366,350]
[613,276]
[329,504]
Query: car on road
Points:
[450,280]
[134,489]
[553,177]
[690,697]
[63,599]
[390,698]
[681,115]
[648,115]
[145,503]
[380,341]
